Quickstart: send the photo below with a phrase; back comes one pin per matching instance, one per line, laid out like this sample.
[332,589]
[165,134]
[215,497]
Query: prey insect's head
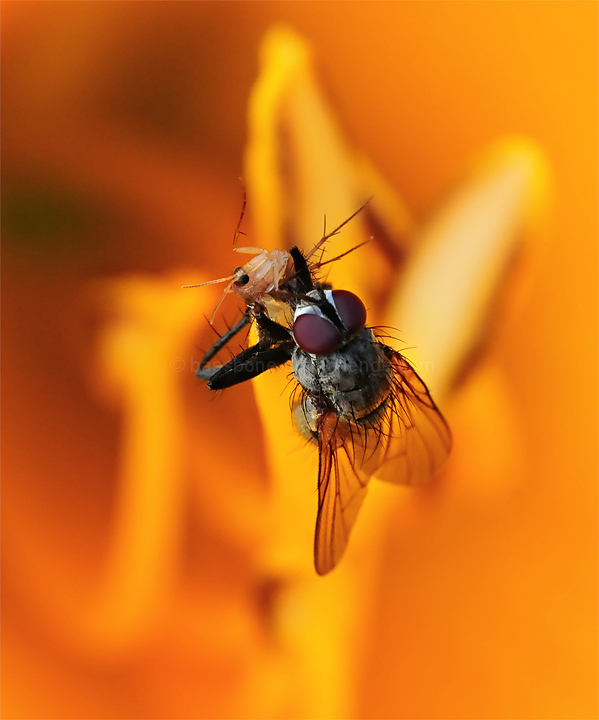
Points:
[238,277]
[327,320]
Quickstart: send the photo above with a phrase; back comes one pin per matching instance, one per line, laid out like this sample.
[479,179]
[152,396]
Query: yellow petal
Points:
[459,275]
[140,366]
[300,169]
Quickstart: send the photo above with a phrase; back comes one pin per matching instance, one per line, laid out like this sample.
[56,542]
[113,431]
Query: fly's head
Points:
[337,361]
[326,320]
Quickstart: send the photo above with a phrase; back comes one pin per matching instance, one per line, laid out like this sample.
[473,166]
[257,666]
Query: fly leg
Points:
[250,363]
[302,271]
[274,348]
[205,373]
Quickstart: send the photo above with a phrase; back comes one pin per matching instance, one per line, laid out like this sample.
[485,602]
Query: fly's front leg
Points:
[250,363]
[274,348]
[302,271]
[205,373]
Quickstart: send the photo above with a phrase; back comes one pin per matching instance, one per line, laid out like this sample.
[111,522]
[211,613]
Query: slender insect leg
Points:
[207,373]
[239,232]
[224,339]
[326,236]
[250,363]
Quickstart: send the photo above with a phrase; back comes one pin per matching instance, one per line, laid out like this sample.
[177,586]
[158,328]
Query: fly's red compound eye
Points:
[315,334]
[350,309]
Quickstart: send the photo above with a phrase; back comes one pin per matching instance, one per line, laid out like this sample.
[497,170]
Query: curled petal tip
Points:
[282,46]
[460,273]
[524,161]
[301,173]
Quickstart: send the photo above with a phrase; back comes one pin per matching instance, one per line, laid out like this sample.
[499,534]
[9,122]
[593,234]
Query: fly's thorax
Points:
[353,380]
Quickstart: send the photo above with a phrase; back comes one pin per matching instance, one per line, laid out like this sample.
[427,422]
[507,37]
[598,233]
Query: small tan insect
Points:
[257,280]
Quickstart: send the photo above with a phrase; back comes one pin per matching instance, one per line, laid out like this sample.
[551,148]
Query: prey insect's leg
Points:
[222,341]
[250,363]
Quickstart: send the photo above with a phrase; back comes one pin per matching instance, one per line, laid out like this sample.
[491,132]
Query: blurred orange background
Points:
[123,137]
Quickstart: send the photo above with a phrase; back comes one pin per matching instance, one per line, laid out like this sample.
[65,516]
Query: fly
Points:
[357,399]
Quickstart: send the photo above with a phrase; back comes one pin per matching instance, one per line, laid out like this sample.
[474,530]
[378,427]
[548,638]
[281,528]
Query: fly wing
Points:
[341,489]
[416,437]
[407,444]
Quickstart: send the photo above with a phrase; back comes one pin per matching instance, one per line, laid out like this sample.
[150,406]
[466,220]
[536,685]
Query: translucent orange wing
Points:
[341,489]
[415,435]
